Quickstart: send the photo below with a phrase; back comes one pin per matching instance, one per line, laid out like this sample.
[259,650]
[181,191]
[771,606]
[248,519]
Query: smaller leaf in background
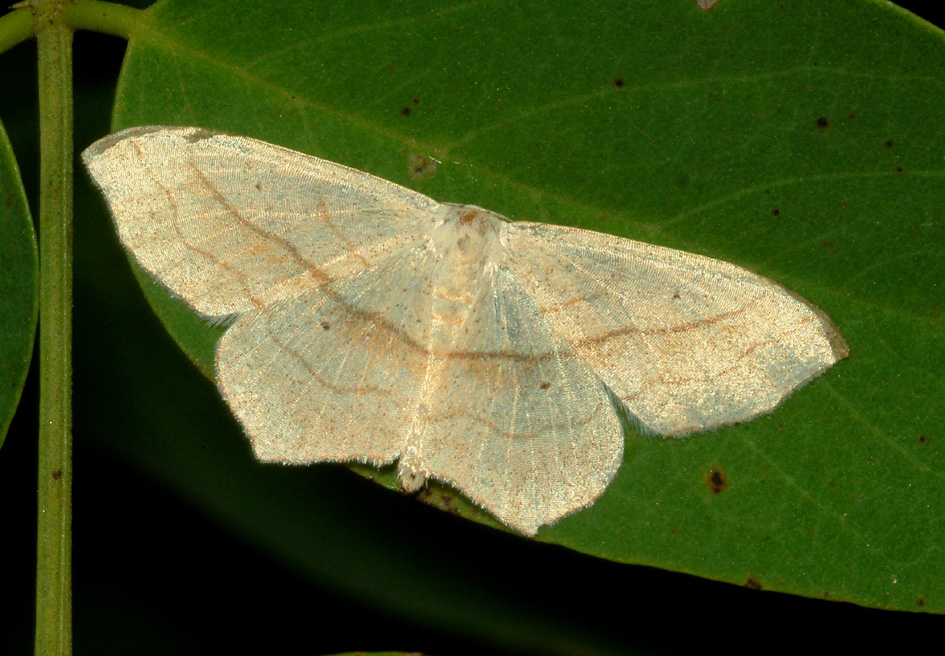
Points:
[18,285]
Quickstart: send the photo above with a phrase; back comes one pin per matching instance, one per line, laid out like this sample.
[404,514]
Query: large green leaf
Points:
[793,138]
[18,285]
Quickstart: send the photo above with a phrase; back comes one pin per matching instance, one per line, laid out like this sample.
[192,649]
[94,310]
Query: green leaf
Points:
[792,138]
[19,285]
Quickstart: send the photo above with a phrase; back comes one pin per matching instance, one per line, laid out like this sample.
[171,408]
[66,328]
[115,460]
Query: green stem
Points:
[54,526]
[104,17]
[16,27]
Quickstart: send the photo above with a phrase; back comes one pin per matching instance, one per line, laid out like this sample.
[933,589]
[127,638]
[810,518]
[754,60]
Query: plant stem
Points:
[16,27]
[54,523]
[104,17]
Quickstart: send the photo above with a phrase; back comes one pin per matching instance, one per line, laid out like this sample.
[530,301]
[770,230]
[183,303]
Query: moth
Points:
[371,323]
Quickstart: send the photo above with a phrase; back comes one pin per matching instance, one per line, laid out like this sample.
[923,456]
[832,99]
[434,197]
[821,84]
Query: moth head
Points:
[466,231]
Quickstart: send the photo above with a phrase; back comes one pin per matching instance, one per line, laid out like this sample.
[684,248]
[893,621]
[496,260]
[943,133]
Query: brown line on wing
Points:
[234,213]
[672,330]
[357,389]
[494,427]
[175,222]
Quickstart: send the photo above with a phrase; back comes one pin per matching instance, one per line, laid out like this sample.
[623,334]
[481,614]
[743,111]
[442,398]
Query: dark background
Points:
[156,573]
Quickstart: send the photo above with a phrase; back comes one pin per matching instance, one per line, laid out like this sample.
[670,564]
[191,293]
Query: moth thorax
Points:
[466,233]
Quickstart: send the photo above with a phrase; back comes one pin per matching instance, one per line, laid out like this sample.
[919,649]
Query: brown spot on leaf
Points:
[717,481]
[898,169]
[326,325]
[826,243]
[57,474]
[822,122]
[753,583]
[922,439]
[416,101]
[776,211]
[437,498]
[920,602]
[889,143]
[405,111]
[544,386]
[618,82]
[421,166]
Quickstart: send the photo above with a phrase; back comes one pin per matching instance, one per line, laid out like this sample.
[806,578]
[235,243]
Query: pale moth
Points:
[372,323]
